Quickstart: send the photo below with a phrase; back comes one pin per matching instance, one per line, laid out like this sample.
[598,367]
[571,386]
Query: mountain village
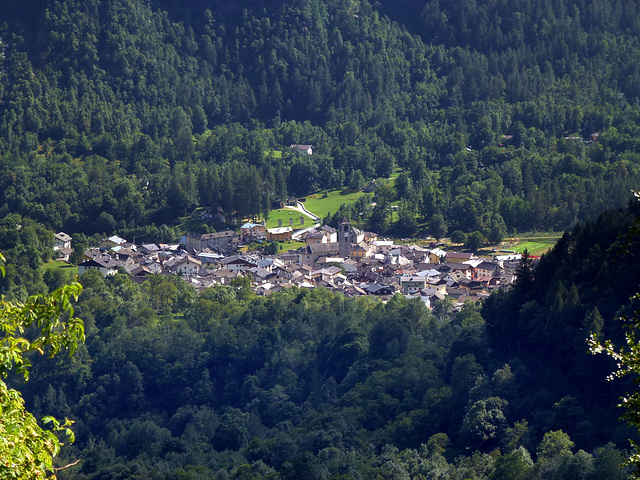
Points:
[348,260]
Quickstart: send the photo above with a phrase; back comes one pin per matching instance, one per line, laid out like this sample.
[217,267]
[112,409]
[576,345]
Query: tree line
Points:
[118,115]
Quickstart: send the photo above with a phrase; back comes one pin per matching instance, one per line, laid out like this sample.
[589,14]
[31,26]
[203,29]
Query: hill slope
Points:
[177,106]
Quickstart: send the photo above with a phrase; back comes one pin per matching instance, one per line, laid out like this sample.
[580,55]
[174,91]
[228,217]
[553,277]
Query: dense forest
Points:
[172,384]
[120,114]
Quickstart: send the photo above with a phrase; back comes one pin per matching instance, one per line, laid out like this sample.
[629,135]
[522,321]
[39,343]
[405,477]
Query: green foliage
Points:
[474,241]
[301,382]
[627,359]
[516,465]
[271,248]
[458,237]
[44,325]
[126,115]
[120,117]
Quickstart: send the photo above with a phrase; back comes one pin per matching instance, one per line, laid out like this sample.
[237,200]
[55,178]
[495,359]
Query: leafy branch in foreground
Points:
[627,357]
[627,360]
[43,324]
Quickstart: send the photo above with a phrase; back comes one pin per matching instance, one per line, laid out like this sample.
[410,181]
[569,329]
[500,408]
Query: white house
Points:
[412,285]
[302,149]
[383,246]
[62,241]
[106,265]
[236,263]
[112,241]
[186,265]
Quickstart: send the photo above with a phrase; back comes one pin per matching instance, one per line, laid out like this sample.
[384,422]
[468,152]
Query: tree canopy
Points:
[120,115]
[43,324]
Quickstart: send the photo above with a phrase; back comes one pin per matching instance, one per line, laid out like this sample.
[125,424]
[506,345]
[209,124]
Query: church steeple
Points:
[344,238]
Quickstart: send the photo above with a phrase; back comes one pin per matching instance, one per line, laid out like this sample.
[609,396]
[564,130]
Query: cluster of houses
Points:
[346,260]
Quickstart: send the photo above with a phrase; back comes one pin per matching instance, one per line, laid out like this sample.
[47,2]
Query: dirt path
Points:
[301,208]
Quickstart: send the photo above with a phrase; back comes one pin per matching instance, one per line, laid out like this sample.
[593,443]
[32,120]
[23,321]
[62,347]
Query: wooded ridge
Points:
[115,115]
[483,118]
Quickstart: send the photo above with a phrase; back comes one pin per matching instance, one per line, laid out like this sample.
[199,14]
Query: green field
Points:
[192,223]
[320,205]
[535,245]
[285,214]
[293,245]
[54,264]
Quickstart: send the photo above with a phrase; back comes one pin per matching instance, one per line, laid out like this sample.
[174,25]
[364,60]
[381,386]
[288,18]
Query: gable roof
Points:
[323,248]
[459,255]
[251,225]
[223,234]
[488,266]
[405,279]
[63,237]
[279,230]
[237,260]
[101,262]
[116,239]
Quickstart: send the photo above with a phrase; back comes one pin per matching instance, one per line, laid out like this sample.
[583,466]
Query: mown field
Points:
[285,214]
[55,264]
[535,245]
[327,202]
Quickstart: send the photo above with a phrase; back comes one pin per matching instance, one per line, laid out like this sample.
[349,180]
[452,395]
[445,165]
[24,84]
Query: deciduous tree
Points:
[42,324]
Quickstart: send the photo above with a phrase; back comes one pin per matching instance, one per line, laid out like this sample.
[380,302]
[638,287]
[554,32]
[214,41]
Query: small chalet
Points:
[436,255]
[62,248]
[261,275]
[327,273]
[236,263]
[361,250]
[315,237]
[458,257]
[64,253]
[111,242]
[140,271]
[369,236]
[186,265]
[223,277]
[370,187]
[125,254]
[471,286]
[252,230]
[105,265]
[62,241]
[378,289]
[281,234]
[462,269]
[210,258]
[92,253]
[485,271]
[149,249]
[302,149]
[383,246]
[330,232]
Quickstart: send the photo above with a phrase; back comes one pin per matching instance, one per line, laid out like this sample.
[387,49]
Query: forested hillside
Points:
[121,116]
[309,384]
[118,114]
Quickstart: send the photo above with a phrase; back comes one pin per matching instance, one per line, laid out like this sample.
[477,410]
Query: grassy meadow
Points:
[285,214]
[55,264]
[322,203]
[536,245]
